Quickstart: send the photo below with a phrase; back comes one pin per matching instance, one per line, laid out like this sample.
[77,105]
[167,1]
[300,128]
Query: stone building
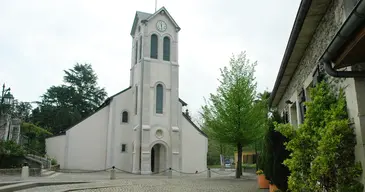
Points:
[327,37]
[141,129]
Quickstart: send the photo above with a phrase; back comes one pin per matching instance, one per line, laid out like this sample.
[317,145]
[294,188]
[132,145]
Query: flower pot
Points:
[272,188]
[262,181]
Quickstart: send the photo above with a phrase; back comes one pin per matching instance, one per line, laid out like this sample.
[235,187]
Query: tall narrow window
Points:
[154,46]
[159,98]
[136,101]
[136,52]
[140,47]
[125,117]
[166,49]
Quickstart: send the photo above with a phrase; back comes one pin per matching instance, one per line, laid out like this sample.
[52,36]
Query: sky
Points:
[41,38]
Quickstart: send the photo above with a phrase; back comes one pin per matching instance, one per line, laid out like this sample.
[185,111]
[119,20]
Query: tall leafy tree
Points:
[22,110]
[82,80]
[233,115]
[76,99]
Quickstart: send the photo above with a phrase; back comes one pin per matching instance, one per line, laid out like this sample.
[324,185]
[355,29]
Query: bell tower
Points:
[155,81]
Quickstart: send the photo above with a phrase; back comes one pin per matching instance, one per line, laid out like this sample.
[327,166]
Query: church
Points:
[142,129]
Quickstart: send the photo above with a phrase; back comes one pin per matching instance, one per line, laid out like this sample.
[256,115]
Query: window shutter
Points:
[303,108]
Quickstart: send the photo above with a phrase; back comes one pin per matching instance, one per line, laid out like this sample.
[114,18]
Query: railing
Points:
[36,156]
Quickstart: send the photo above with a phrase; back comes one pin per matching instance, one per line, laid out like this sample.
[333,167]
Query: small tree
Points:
[232,115]
[322,150]
[35,136]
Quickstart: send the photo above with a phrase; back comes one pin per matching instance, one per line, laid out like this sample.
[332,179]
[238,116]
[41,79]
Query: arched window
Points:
[154,46]
[159,98]
[140,47]
[124,117]
[136,52]
[166,49]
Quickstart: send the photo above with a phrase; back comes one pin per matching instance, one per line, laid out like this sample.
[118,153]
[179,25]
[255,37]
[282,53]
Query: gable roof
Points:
[145,17]
[194,125]
[309,15]
[106,103]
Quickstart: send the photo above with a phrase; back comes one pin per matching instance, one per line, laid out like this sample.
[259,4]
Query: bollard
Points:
[170,173]
[208,173]
[25,172]
[112,173]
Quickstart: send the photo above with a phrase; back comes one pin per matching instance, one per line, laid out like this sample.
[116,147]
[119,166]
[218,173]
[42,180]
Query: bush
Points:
[322,149]
[53,161]
[274,154]
[11,154]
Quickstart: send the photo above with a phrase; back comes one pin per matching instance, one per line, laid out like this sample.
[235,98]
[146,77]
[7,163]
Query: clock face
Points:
[161,26]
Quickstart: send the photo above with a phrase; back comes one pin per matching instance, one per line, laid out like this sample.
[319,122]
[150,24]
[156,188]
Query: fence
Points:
[167,172]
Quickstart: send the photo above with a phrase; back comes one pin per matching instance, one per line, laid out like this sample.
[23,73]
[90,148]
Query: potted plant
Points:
[272,187]
[261,180]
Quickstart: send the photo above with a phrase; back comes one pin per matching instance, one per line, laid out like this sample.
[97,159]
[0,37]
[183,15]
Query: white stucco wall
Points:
[55,148]
[194,148]
[123,133]
[86,142]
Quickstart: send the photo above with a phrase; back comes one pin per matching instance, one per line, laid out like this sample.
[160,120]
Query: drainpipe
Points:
[341,74]
[353,21]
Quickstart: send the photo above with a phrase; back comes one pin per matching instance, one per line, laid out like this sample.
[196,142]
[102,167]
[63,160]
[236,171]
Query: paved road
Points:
[159,185]
[220,181]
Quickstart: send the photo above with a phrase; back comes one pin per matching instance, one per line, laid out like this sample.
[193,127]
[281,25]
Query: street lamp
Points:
[6,99]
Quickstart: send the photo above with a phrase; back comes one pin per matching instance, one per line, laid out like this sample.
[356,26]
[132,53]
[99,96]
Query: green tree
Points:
[322,150]
[232,115]
[79,97]
[22,110]
[35,137]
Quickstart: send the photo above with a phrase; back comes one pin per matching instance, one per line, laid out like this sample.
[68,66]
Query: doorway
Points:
[158,158]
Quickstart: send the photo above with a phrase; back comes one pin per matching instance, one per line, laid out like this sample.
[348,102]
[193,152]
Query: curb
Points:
[26,185]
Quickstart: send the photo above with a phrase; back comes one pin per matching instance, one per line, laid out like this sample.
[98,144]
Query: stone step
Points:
[46,173]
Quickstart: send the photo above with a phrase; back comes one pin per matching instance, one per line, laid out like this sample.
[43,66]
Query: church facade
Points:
[143,128]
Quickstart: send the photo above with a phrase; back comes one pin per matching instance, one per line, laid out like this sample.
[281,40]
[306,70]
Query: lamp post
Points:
[6,100]
[5,104]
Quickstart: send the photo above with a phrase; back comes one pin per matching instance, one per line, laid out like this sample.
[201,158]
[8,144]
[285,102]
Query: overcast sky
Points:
[41,38]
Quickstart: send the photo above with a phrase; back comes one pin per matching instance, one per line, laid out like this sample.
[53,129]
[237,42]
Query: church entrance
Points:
[158,158]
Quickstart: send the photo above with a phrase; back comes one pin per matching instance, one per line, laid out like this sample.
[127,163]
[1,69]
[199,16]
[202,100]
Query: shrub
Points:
[322,149]
[11,154]
[53,161]
[274,154]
